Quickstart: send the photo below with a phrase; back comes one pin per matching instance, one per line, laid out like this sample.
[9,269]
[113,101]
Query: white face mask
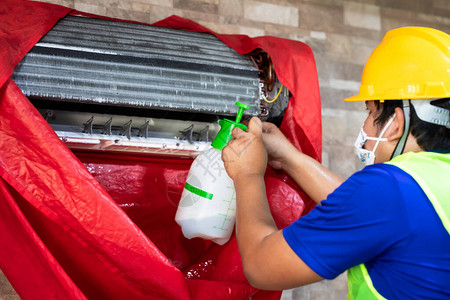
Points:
[367,156]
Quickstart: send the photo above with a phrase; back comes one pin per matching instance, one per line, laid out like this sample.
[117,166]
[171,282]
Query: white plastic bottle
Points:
[207,207]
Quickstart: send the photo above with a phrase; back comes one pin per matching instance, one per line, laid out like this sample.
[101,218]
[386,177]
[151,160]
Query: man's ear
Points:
[395,130]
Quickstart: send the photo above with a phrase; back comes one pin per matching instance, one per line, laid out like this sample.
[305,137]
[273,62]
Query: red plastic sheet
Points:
[95,225]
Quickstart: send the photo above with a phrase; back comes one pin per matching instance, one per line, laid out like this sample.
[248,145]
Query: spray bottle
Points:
[207,207]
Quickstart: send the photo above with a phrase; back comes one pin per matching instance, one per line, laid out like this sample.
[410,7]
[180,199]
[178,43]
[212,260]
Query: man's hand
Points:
[277,145]
[245,155]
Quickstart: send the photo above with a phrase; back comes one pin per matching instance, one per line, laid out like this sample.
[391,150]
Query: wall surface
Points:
[342,34]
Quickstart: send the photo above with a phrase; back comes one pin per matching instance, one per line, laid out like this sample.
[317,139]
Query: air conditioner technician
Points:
[388,224]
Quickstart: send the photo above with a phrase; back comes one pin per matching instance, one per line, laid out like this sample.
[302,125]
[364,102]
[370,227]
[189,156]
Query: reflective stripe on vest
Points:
[435,184]
[431,171]
[360,286]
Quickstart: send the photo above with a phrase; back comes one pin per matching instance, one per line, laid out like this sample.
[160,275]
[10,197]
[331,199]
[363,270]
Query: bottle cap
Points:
[226,126]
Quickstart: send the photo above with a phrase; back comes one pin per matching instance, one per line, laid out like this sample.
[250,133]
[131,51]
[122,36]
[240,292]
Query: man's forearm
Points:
[254,220]
[315,179]
[269,262]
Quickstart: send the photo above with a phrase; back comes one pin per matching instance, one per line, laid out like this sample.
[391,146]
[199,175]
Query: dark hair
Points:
[429,136]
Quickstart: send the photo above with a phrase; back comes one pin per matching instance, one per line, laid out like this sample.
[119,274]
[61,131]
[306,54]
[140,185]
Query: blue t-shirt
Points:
[380,217]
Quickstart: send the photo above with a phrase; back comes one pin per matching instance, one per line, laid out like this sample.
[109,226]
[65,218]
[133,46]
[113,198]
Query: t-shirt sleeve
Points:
[357,222]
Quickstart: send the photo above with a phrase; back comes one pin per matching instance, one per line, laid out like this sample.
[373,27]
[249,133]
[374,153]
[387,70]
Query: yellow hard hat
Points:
[409,63]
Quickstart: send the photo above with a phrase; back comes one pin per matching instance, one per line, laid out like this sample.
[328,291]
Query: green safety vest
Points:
[431,171]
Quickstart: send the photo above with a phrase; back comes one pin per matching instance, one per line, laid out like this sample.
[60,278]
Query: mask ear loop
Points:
[379,139]
[402,142]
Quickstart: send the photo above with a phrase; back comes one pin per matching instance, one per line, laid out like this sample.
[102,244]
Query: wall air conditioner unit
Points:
[114,86]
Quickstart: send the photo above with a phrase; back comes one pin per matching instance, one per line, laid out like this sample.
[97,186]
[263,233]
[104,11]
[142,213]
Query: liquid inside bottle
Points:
[207,207]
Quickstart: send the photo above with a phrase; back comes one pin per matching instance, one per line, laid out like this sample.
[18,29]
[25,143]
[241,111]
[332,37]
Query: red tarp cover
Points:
[100,225]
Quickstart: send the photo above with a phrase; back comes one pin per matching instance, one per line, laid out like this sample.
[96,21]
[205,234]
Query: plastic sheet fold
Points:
[97,225]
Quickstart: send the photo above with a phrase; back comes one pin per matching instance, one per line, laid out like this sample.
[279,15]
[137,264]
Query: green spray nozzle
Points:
[226,126]
[240,113]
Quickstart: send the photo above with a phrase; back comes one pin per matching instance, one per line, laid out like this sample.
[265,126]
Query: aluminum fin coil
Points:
[115,63]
